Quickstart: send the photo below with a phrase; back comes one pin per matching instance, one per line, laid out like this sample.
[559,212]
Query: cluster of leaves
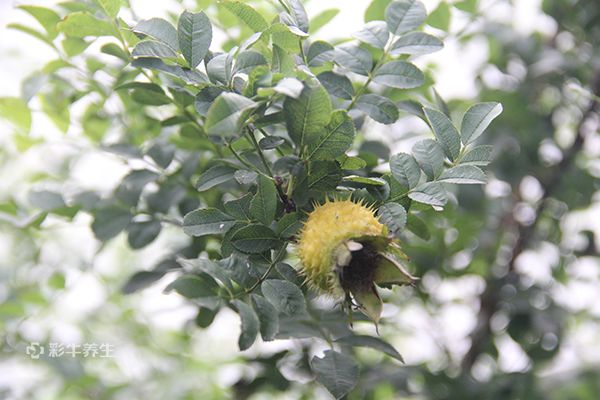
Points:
[254,137]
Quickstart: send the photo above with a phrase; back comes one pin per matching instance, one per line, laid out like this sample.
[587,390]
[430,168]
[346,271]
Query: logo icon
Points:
[34,350]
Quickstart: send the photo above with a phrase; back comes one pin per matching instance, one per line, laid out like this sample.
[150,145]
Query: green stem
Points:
[290,187]
[250,133]
[264,276]
[239,157]
[260,280]
[378,64]
[285,7]
[282,196]
[302,52]
[359,92]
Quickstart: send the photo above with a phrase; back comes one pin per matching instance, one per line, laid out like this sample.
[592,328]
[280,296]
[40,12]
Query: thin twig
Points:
[263,276]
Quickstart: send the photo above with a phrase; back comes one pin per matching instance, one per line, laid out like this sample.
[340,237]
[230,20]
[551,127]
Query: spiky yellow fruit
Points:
[328,226]
[344,250]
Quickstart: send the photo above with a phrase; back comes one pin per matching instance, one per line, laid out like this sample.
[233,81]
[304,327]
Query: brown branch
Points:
[490,298]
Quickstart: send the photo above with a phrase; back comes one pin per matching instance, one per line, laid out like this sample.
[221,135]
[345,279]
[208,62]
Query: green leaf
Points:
[376,10]
[392,215]
[109,222]
[268,317]
[289,225]
[258,77]
[364,180]
[288,164]
[46,200]
[250,324]
[15,111]
[337,85]
[299,14]
[271,142]
[441,103]
[380,108]
[322,19]
[141,280]
[478,155]
[162,153]
[244,177]
[220,68]
[307,115]
[324,175]
[376,148]
[405,169]
[193,287]
[445,132]
[353,163]
[440,17]
[371,342]
[150,97]
[337,138]
[463,174]
[167,196]
[282,61]
[130,188]
[254,239]
[374,33]
[283,37]
[207,221]
[82,24]
[469,6]
[264,204]
[290,87]
[160,30]
[404,15]
[239,208]
[286,297]
[141,234]
[188,75]
[45,16]
[194,33]
[111,7]
[431,193]
[319,52]
[74,46]
[289,273]
[430,156]
[247,61]
[205,317]
[399,75]
[247,14]
[31,32]
[141,85]
[354,58]
[206,266]
[416,43]
[57,110]
[412,107]
[477,119]
[418,227]
[336,371]
[227,114]
[205,98]
[152,48]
